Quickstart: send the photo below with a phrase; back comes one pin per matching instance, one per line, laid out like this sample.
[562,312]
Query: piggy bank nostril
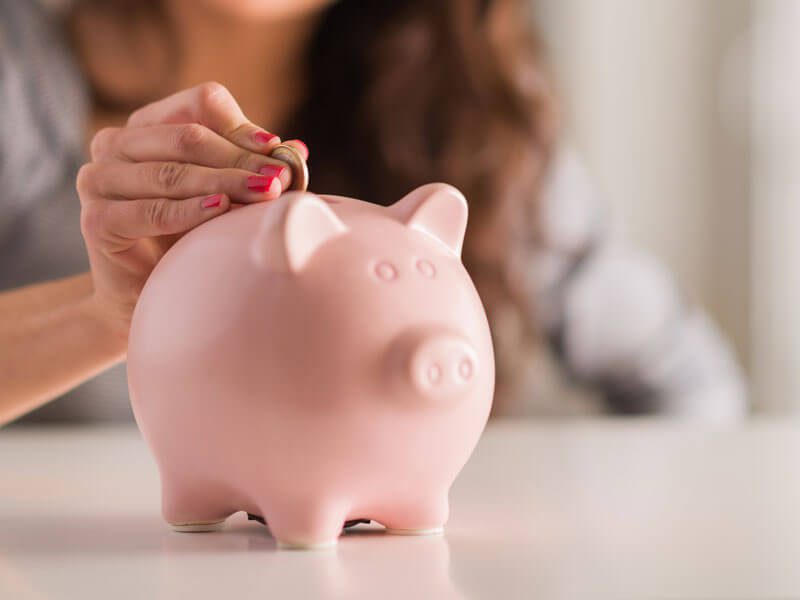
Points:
[442,365]
[465,369]
[434,374]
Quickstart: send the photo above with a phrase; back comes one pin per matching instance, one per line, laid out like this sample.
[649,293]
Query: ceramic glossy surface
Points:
[314,360]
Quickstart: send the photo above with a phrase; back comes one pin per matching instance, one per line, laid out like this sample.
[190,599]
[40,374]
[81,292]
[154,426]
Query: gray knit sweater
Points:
[612,317]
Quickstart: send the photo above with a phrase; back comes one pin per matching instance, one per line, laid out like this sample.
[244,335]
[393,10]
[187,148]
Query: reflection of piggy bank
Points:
[314,360]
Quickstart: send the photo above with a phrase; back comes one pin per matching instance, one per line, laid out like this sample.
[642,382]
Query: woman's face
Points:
[266,9]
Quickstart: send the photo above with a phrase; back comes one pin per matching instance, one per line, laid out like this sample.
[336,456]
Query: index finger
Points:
[212,105]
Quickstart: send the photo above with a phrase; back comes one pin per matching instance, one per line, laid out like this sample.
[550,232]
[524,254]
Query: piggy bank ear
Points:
[294,228]
[437,209]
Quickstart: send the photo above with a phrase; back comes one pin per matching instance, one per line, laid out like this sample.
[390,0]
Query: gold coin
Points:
[292,157]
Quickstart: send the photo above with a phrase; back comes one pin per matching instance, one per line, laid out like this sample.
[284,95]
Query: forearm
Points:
[52,338]
[40,297]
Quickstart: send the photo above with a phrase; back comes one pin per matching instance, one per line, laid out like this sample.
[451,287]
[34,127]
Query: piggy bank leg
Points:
[305,525]
[422,516]
[193,507]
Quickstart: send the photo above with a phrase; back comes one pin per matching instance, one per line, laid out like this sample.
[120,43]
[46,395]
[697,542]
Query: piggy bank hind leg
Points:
[305,524]
[425,515]
[194,506]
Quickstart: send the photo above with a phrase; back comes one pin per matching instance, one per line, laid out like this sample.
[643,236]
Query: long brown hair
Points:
[404,93]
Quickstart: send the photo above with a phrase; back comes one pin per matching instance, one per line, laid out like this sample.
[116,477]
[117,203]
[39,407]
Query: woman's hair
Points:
[405,93]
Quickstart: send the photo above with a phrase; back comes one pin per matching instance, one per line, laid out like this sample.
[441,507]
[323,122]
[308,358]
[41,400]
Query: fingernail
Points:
[301,143]
[262,137]
[272,170]
[261,183]
[274,186]
[212,201]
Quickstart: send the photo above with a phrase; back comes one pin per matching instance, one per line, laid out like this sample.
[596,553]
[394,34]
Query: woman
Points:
[387,95]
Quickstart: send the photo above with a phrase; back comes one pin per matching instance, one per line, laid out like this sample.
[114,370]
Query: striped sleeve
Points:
[618,322]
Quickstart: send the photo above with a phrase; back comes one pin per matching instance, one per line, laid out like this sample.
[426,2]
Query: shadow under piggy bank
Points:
[137,557]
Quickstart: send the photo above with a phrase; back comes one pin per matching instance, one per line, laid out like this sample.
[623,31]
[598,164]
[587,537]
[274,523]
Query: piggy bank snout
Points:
[439,365]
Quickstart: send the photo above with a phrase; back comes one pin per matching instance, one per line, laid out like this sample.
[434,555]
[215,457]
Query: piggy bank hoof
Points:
[286,545]
[428,531]
[197,527]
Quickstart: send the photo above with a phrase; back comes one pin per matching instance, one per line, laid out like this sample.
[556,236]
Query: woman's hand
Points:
[178,163]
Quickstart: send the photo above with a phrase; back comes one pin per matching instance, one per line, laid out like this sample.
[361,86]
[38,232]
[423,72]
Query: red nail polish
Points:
[260,183]
[262,137]
[212,201]
[272,170]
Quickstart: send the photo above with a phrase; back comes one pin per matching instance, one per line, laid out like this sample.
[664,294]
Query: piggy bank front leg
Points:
[425,515]
[307,524]
[194,506]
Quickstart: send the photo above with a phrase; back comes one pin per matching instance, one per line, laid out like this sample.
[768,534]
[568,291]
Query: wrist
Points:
[108,329]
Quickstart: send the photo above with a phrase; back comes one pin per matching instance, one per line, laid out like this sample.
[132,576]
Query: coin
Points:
[292,157]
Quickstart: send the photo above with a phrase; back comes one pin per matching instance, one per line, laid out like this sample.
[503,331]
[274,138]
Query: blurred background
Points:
[685,115]
[682,113]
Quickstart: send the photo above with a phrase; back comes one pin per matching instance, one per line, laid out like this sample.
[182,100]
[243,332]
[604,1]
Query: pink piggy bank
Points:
[314,360]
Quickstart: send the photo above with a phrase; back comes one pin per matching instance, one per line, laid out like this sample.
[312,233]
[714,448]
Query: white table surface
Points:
[594,509]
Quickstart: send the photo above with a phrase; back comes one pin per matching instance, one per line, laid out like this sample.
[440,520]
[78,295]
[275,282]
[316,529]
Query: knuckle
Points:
[102,142]
[239,130]
[189,136]
[85,180]
[93,220]
[212,93]
[169,175]
[136,116]
[158,214]
[246,160]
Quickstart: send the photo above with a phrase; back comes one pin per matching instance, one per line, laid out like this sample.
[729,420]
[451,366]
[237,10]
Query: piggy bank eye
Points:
[385,271]
[425,268]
